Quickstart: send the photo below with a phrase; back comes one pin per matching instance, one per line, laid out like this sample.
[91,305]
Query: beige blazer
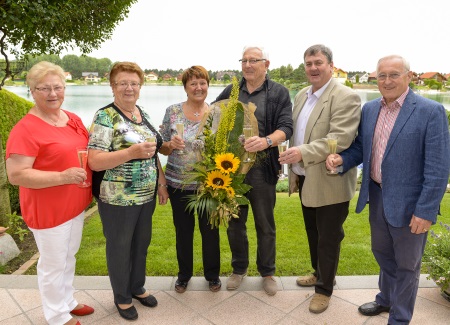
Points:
[338,111]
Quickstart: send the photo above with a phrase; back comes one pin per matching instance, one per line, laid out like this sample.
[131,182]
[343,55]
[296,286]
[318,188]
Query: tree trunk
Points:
[5,207]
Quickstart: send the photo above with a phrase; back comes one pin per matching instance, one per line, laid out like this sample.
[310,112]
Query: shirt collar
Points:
[398,102]
[319,92]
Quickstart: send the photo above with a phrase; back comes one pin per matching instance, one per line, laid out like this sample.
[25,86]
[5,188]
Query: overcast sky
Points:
[177,34]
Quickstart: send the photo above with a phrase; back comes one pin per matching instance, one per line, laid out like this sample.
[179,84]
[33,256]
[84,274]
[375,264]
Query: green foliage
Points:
[348,83]
[17,226]
[436,258]
[50,26]
[12,109]
[283,186]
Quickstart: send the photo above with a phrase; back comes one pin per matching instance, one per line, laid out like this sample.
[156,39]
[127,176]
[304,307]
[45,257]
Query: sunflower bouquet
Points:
[220,171]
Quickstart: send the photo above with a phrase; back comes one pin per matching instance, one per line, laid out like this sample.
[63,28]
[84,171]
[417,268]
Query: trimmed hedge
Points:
[12,109]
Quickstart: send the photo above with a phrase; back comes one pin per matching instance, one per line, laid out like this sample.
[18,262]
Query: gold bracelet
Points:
[163,185]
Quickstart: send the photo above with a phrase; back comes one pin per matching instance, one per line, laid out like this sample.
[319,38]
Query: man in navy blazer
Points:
[403,143]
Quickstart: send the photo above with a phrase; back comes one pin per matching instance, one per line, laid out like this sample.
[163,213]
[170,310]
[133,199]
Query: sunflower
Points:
[230,192]
[218,180]
[227,163]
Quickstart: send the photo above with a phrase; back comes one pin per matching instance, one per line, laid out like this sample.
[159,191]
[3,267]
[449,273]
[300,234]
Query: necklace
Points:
[133,117]
[196,114]
[55,123]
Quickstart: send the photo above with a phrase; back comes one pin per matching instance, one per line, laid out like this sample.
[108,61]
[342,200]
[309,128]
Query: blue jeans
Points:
[262,198]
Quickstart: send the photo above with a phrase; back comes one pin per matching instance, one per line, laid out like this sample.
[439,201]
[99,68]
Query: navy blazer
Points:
[416,163]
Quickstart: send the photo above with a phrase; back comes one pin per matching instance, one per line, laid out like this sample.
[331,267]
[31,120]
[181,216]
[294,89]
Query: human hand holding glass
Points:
[82,153]
[332,147]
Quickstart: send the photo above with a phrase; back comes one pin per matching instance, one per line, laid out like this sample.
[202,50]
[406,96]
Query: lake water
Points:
[86,100]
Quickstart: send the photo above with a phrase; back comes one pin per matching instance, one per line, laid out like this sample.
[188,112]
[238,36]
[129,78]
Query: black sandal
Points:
[180,286]
[215,285]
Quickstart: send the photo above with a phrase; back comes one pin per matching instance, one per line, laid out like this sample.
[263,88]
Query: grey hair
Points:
[319,48]
[405,62]
[265,54]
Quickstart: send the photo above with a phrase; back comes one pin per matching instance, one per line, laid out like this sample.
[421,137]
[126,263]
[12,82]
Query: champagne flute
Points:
[82,153]
[248,133]
[179,125]
[332,147]
[151,138]
[282,146]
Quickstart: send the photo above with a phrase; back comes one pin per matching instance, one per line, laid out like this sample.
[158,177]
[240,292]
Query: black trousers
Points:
[325,233]
[128,232]
[184,229]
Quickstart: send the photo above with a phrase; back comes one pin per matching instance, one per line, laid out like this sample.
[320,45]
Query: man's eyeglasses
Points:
[392,76]
[251,61]
[124,85]
[48,90]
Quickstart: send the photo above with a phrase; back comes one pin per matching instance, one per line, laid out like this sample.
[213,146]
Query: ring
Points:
[425,230]
[148,154]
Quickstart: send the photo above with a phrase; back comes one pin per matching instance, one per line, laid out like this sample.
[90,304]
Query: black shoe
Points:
[215,285]
[372,309]
[129,313]
[149,301]
[180,286]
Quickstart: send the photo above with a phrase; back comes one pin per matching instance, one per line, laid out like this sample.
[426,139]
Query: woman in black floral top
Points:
[123,147]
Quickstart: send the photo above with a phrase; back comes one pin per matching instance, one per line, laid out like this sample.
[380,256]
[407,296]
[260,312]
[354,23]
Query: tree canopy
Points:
[50,26]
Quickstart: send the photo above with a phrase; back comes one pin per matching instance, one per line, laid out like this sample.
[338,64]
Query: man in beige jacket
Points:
[325,108]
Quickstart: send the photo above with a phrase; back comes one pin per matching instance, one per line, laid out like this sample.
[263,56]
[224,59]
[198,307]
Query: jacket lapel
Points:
[406,110]
[317,110]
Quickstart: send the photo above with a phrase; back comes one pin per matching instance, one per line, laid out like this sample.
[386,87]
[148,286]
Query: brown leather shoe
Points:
[309,281]
[306,281]
[319,303]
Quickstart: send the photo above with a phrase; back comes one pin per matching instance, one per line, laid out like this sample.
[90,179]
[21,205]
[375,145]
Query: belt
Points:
[376,183]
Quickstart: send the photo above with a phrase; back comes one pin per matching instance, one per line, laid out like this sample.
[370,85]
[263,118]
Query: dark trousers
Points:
[399,254]
[184,229]
[128,232]
[262,198]
[325,233]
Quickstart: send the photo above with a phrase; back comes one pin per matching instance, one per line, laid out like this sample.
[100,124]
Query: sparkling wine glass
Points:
[179,125]
[332,146]
[82,153]
[248,133]
[151,138]
[282,146]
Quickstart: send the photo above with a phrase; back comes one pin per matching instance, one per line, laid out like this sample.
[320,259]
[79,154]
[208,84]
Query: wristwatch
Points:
[269,141]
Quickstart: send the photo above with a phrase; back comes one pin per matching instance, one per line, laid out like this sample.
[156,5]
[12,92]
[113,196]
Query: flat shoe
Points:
[149,301]
[372,309]
[180,286]
[129,313]
[215,285]
[83,311]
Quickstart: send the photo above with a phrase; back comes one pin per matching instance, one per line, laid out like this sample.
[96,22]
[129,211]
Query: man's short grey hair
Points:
[405,62]
[265,54]
[319,48]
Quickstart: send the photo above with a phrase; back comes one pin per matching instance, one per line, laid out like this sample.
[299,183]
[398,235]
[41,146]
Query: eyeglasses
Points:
[392,76]
[48,90]
[251,61]
[124,85]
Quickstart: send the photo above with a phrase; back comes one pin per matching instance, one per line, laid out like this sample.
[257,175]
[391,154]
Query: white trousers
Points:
[56,268]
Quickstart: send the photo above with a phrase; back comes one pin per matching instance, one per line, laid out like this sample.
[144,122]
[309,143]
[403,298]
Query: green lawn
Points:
[292,246]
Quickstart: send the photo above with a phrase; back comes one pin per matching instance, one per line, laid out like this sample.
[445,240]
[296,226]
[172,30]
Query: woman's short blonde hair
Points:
[42,69]
[125,67]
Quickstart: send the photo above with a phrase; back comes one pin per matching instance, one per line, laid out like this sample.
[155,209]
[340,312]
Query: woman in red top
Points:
[41,158]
